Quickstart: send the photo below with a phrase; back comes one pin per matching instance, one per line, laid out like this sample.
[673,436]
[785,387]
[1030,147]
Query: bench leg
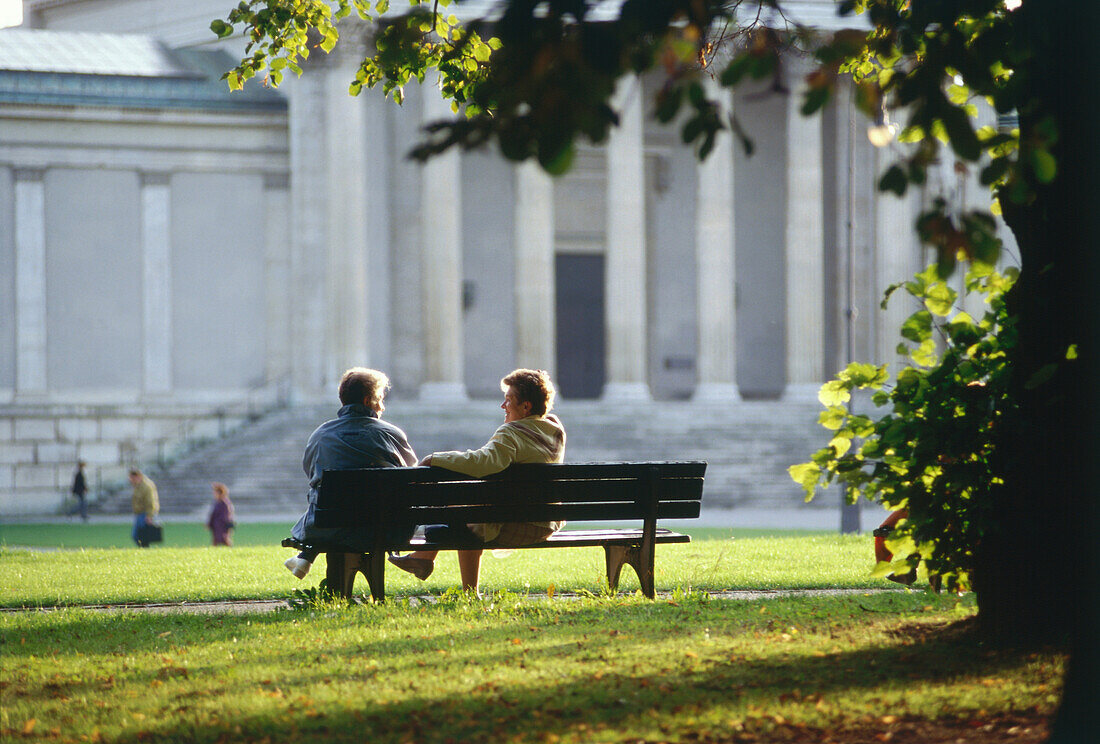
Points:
[615,556]
[340,572]
[374,568]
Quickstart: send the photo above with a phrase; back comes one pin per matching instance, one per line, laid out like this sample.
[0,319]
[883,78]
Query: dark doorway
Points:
[579,305]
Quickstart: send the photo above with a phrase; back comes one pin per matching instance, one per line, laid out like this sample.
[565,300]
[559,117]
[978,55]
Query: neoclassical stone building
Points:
[174,257]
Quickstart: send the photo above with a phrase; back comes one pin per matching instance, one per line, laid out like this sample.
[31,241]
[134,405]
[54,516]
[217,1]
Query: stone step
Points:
[748,447]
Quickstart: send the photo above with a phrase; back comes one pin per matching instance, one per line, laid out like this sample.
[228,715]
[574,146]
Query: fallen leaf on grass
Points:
[28,727]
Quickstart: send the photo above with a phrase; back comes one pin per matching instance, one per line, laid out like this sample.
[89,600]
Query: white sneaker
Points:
[298,566]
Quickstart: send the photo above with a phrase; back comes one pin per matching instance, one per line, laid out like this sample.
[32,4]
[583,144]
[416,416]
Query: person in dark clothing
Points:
[80,490]
[356,438]
[222,520]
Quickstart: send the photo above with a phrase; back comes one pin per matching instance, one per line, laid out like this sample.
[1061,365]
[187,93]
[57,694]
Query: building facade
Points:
[174,253]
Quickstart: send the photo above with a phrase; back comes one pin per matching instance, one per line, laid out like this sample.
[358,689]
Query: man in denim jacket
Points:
[356,438]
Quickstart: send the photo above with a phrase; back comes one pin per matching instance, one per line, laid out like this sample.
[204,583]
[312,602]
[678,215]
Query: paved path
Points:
[240,607]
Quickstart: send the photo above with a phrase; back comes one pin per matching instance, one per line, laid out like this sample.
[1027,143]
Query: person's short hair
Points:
[134,471]
[533,386]
[360,384]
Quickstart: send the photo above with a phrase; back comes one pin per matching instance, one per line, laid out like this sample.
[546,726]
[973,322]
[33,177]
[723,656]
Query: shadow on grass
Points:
[572,669]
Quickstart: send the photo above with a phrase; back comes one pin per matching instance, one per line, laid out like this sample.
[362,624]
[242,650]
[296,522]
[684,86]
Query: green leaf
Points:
[559,162]
[221,28]
[1044,165]
[668,104]
[482,52]
[889,291]
[960,132]
[958,94]
[995,171]
[736,70]
[805,474]
[1041,376]
[911,134]
[841,444]
[918,326]
[832,418]
[814,100]
[925,355]
[894,180]
[861,374]
[940,299]
[834,392]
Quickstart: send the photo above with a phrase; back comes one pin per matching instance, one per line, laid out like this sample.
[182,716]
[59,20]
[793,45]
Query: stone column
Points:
[626,249]
[534,235]
[864,294]
[156,287]
[854,240]
[277,281]
[310,359]
[379,148]
[714,265]
[441,256]
[805,246]
[30,282]
[897,253]
[347,211]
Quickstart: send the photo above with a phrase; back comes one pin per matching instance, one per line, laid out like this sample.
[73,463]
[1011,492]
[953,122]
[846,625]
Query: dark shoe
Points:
[452,534]
[421,568]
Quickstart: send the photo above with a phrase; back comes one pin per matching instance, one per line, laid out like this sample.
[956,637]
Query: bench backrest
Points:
[522,493]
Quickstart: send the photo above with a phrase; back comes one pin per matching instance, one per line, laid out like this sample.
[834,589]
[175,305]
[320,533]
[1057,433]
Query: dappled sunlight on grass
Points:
[166,574]
[508,668]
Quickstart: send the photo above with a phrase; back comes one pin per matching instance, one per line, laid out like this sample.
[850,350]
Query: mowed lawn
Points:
[545,656]
[717,560]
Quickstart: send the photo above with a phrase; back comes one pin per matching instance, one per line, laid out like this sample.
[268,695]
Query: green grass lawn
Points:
[164,574]
[510,668]
[194,534]
[519,665]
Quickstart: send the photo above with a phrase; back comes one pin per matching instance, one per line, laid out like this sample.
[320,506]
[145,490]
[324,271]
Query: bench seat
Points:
[594,492]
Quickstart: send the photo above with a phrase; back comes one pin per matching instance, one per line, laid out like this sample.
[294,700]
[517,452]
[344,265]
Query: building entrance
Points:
[579,305]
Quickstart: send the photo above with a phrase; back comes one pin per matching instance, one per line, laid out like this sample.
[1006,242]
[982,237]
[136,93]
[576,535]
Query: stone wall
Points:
[40,446]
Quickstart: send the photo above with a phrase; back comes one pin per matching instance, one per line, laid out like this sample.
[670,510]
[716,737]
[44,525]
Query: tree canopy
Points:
[534,77]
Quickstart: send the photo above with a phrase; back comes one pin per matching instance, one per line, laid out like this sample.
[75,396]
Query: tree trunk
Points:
[1036,574]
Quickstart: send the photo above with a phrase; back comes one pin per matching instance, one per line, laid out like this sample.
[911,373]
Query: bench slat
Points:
[329,518]
[560,491]
[563,539]
[473,493]
[529,472]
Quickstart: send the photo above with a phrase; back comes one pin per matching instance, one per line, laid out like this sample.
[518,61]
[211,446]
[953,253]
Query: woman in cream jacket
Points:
[530,433]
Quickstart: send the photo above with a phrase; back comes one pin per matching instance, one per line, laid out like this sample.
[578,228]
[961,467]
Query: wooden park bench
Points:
[597,492]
